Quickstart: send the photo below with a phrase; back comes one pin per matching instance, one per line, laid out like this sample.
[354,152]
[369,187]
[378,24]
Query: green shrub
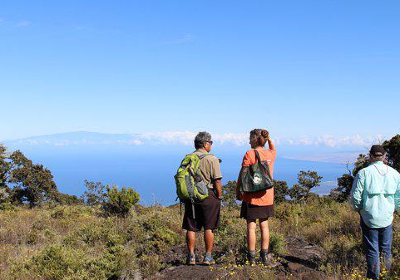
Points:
[103,232]
[7,206]
[277,243]
[149,264]
[63,262]
[119,202]
[66,199]
[158,236]
[64,212]
[231,233]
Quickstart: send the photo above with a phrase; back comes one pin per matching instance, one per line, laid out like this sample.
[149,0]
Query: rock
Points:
[301,251]
[295,267]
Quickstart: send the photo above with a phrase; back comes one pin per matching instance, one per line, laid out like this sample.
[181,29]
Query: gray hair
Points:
[201,138]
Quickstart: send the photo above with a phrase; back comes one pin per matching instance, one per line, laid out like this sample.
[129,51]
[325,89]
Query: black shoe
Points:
[264,257]
[251,257]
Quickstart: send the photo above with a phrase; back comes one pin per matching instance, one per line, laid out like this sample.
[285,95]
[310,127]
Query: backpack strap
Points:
[259,162]
[203,156]
[257,155]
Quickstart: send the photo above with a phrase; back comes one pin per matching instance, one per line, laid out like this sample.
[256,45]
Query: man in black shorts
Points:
[207,212]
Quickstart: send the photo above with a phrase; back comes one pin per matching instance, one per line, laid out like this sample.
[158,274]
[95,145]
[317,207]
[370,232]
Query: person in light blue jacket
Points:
[376,195]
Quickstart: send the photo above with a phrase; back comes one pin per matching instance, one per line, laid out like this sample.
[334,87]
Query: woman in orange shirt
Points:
[259,205]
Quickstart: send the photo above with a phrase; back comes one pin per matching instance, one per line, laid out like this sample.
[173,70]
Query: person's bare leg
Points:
[251,235]
[264,241]
[264,234]
[209,240]
[190,240]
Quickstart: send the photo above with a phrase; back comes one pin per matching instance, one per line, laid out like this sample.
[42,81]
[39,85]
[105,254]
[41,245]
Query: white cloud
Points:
[186,138]
[236,139]
[343,157]
[332,142]
[136,142]
[169,137]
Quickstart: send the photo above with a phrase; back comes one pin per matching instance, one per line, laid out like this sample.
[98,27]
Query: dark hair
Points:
[261,135]
[201,138]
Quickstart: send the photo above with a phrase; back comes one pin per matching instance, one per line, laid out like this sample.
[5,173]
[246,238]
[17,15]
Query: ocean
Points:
[151,172]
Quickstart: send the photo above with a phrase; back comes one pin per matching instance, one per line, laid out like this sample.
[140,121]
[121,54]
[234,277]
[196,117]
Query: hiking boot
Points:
[264,257]
[251,257]
[208,259]
[191,259]
[267,259]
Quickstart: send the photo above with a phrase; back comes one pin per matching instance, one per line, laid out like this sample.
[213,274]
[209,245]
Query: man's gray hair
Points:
[201,138]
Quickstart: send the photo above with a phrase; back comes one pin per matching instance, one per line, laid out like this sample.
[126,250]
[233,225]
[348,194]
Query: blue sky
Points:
[298,68]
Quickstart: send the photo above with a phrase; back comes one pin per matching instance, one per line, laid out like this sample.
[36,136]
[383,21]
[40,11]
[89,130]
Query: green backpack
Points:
[189,183]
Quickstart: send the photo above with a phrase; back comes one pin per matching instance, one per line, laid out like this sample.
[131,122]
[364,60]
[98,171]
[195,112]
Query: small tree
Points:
[342,192]
[281,191]
[4,169]
[229,194]
[94,194]
[33,182]
[307,180]
[119,202]
[392,147]
[361,162]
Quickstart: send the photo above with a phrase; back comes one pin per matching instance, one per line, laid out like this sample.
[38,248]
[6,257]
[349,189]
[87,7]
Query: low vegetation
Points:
[80,242]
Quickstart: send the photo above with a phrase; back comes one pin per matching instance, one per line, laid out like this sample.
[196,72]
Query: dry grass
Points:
[77,242]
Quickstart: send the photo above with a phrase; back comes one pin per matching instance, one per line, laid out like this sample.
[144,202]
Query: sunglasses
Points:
[211,142]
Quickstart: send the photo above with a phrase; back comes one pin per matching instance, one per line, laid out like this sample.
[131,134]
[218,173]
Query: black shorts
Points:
[253,212]
[207,214]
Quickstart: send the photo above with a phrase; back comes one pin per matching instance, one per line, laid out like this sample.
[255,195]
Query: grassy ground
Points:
[77,242]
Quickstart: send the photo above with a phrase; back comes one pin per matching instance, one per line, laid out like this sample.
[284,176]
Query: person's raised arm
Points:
[271,144]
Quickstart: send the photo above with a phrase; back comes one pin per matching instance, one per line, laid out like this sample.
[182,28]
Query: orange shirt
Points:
[263,198]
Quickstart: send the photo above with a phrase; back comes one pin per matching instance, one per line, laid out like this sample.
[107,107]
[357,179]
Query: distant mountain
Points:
[78,138]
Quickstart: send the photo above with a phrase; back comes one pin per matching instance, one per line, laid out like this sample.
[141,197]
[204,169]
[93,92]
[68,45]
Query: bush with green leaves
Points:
[119,202]
[67,263]
[112,200]
[66,199]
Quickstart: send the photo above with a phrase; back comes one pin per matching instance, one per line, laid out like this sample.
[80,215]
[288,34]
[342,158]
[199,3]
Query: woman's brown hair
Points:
[261,135]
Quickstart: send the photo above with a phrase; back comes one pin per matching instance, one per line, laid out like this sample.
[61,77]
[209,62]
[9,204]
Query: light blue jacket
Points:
[376,194]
